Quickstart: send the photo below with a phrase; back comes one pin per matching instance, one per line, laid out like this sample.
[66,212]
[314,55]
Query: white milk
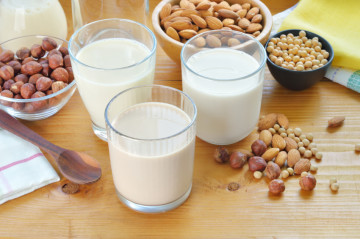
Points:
[154,173]
[31,17]
[98,86]
[228,110]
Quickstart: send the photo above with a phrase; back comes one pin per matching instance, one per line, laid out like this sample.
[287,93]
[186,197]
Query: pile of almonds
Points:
[190,17]
[33,73]
[279,152]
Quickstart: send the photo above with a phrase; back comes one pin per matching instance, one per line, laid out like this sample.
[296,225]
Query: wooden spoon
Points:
[78,167]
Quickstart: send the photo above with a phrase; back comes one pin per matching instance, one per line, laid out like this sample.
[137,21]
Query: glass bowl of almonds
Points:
[298,59]
[176,21]
[36,78]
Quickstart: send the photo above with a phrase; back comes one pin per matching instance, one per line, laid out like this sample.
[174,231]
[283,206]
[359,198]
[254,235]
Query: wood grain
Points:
[211,210]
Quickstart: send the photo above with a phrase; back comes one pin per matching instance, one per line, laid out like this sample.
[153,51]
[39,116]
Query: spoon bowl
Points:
[78,167]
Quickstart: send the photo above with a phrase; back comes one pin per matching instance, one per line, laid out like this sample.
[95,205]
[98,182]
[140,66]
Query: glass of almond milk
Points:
[109,56]
[151,137]
[223,72]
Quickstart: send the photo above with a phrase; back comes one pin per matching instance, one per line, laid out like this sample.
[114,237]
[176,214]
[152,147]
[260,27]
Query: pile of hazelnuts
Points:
[34,72]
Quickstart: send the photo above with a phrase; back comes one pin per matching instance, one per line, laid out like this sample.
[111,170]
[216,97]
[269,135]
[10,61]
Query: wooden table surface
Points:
[211,211]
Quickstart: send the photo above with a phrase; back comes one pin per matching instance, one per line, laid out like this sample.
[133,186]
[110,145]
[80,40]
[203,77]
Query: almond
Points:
[281,158]
[270,154]
[221,6]
[244,23]
[188,12]
[268,121]
[303,165]
[199,21]
[242,13]
[165,11]
[293,157]
[173,33]
[236,7]
[187,33]
[226,13]
[204,5]
[233,42]
[266,136]
[290,144]
[214,23]
[278,142]
[252,12]
[253,27]
[181,25]
[213,41]
[169,18]
[257,18]
[200,42]
[283,121]
[206,13]
[186,4]
[228,21]
[336,121]
[236,28]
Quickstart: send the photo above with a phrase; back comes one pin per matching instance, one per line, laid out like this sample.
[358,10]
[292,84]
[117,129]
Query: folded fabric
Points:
[336,21]
[23,168]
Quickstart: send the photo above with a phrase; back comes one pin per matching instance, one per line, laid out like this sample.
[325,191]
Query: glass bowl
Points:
[42,107]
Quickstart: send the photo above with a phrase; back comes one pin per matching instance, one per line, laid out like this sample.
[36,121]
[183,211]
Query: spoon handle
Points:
[16,127]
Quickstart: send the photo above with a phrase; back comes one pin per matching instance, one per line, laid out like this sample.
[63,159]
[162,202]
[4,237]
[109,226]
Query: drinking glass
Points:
[151,137]
[109,56]
[223,72]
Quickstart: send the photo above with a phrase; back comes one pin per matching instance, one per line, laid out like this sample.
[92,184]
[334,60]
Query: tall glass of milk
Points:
[35,17]
[151,137]
[109,56]
[223,72]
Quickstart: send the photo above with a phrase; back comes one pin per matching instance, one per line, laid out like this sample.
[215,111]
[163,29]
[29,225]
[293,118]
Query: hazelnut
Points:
[303,165]
[17,105]
[48,44]
[64,51]
[6,72]
[29,108]
[60,74]
[31,68]
[58,85]
[237,159]
[15,88]
[34,78]
[258,147]
[37,51]
[272,170]
[71,74]
[54,52]
[7,84]
[46,69]
[41,104]
[7,93]
[221,155]
[15,65]
[67,62]
[22,53]
[257,163]
[27,90]
[26,60]
[43,61]
[276,186]
[43,83]
[6,56]
[307,182]
[55,61]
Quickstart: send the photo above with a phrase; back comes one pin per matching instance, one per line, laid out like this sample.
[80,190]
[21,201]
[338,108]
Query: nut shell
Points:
[307,182]
[276,186]
[272,170]
[303,165]
[258,147]
[257,163]
[237,159]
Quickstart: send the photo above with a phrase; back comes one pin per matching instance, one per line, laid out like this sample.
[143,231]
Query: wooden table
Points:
[211,210]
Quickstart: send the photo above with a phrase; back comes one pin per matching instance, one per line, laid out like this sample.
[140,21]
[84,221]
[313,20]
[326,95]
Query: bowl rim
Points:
[157,27]
[331,52]
[69,86]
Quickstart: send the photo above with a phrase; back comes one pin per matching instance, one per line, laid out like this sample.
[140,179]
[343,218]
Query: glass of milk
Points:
[151,137]
[35,17]
[109,56]
[223,72]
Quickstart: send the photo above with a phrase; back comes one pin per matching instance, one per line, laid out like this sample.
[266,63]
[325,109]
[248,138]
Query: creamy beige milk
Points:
[154,173]
[107,73]
[228,110]
[31,17]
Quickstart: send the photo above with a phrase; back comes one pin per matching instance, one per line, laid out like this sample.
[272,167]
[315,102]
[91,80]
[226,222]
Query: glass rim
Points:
[189,125]
[261,47]
[152,51]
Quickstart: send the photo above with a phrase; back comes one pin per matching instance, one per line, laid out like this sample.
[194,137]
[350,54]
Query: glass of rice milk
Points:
[223,72]
[109,56]
[151,137]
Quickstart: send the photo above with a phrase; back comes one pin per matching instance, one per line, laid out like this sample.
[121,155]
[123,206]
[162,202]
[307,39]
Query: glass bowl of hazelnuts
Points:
[36,78]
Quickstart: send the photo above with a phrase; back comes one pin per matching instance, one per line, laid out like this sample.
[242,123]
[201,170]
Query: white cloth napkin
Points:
[347,77]
[23,168]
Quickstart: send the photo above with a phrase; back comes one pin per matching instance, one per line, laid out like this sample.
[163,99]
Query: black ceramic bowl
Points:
[299,80]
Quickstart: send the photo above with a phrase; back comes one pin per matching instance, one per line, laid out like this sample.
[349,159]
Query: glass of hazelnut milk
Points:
[151,137]
[109,56]
[223,72]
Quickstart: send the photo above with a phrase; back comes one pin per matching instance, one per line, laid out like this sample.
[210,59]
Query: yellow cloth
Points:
[338,21]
